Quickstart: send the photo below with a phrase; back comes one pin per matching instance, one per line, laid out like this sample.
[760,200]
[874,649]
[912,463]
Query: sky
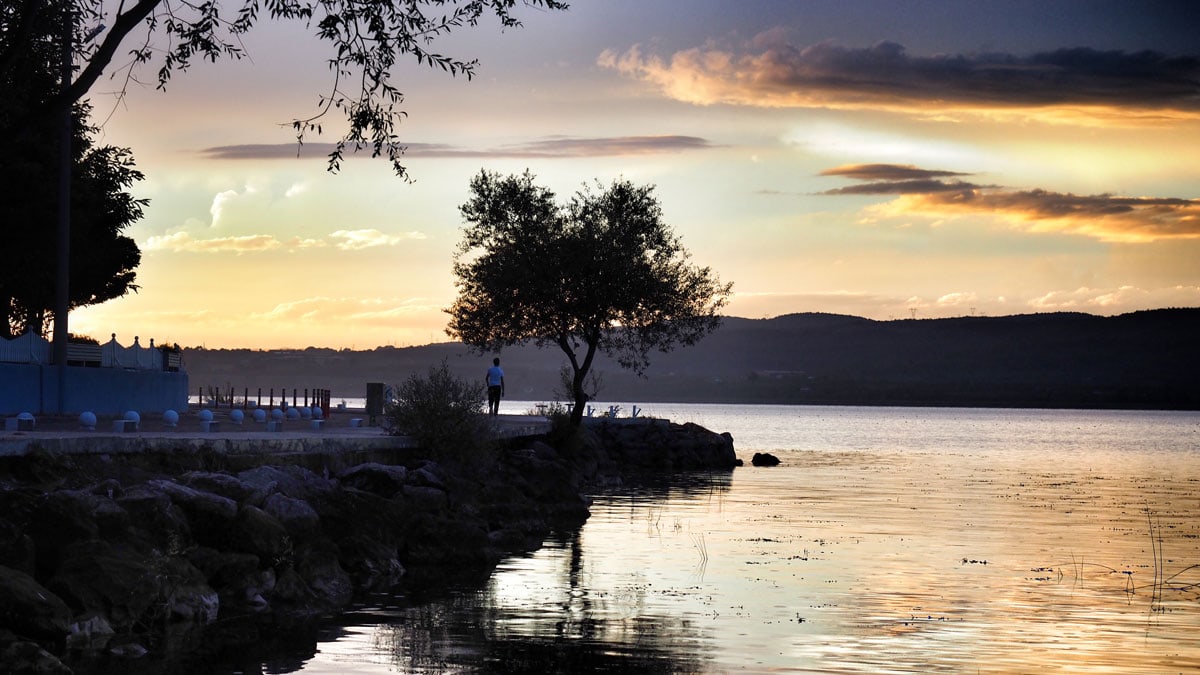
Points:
[891,160]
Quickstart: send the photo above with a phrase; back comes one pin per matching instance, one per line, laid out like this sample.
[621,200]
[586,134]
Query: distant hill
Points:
[1140,360]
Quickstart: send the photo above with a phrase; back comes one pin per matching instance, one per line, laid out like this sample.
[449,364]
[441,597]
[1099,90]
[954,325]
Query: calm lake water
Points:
[889,540]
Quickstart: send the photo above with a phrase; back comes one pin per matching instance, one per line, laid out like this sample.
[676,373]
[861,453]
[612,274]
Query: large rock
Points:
[296,515]
[58,521]
[222,484]
[384,480]
[110,579]
[256,531]
[30,608]
[163,523]
[23,657]
[210,516]
[635,445]
[293,481]
[320,570]
[242,586]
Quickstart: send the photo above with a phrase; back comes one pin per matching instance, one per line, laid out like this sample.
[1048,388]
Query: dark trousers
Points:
[493,400]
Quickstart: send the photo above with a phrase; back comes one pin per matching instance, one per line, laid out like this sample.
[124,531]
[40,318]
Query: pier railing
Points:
[228,397]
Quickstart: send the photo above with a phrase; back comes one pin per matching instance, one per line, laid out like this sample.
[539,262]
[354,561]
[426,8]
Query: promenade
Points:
[336,434]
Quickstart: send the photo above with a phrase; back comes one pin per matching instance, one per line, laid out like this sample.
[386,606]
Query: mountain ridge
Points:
[1144,359]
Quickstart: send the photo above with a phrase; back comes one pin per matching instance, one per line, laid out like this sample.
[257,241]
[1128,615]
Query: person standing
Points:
[495,387]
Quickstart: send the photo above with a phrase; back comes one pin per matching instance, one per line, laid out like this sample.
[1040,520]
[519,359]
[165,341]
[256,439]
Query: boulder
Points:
[89,632]
[258,532]
[293,481]
[242,587]
[295,515]
[17,549]
[221,484]
[321,571]
[157,518]
[210,517]
[21,657]
[764,459]
[30,608]
[382,479]
[112,580]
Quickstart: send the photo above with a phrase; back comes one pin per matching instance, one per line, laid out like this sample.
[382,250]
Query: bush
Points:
[444,414]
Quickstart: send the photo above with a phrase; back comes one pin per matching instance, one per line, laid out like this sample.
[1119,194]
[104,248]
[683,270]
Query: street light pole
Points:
[62,293]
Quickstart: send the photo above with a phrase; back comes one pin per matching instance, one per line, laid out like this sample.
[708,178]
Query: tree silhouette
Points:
[366,38]
[601,273]
[101,206]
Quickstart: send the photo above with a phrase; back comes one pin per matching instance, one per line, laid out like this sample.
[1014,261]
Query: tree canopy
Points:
[600,273]
[101,206]
[366,38]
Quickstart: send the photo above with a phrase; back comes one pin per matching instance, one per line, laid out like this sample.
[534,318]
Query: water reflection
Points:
[889,541]
[546,612]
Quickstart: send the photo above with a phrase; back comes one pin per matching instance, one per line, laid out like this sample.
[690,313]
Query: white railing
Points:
[33,348]
[28,348]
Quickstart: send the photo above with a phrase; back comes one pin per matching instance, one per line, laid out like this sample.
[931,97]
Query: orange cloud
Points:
[1078,85]
[1105,217]
[345,240]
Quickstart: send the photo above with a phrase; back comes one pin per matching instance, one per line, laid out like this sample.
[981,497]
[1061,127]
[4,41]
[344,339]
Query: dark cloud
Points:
[549,148]
[827,74]
[903,187]
[887,172]
[896,179]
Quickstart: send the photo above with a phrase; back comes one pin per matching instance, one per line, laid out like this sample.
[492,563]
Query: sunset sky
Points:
[880,159]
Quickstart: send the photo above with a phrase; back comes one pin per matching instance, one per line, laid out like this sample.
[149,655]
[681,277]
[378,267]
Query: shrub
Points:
[444,414]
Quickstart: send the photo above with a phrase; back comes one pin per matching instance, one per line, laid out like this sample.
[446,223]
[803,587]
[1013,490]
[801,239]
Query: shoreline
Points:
[278,536]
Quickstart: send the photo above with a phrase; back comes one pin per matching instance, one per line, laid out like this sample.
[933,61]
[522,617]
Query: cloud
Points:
[888,172]
[548,148]
[377,312]
[355,240]
[895,179]
[346,240]
[1105,217]
[1075,83]
[1115,300]
[184,242]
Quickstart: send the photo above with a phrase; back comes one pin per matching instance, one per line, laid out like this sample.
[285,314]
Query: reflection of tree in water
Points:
[576,629]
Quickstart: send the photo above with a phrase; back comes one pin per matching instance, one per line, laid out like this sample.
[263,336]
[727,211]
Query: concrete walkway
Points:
[64,435]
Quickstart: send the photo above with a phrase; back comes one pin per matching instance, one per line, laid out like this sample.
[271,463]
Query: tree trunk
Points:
[579,374]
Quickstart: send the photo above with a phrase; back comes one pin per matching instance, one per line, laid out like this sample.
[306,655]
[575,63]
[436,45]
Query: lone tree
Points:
[602,273]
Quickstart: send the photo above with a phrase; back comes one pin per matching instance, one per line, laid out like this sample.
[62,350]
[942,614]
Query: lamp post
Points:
[62,279]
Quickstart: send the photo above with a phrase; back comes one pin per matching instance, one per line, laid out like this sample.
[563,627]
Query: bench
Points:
[208,426]
[124,425]
[275,425]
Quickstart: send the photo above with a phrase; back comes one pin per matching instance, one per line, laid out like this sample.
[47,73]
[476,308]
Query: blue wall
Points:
[104,391]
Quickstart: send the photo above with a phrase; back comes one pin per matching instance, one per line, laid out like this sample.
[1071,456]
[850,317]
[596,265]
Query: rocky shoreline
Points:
[107,562]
